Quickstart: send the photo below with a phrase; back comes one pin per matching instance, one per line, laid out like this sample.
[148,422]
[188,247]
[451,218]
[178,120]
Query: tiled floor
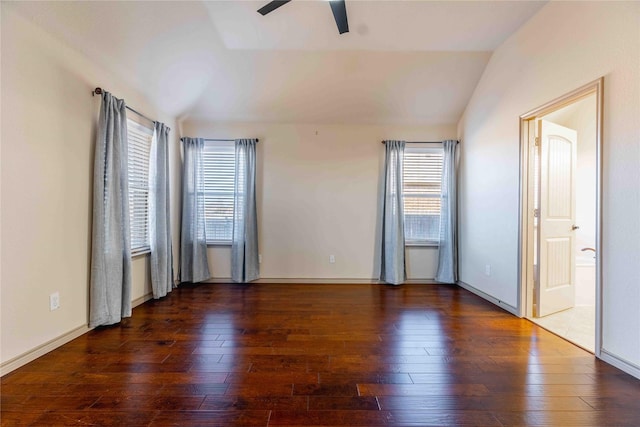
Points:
[577,325]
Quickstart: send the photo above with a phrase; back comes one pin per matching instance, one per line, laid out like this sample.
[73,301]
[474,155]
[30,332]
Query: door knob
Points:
[574,227]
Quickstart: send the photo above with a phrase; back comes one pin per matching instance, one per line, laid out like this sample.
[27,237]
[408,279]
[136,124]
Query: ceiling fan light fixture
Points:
[271,6]
[338,7]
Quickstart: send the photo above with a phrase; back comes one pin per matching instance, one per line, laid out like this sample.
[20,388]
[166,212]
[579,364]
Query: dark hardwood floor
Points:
[320,355]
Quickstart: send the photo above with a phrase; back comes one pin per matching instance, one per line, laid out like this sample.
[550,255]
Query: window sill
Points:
[421,245]
[140,253]
[216,244]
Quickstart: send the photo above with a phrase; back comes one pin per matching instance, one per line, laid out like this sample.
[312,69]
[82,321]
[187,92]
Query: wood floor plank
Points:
[148,403]
[483,403]
[365,378]
[193,390]
[61,417]
[11,418]
[627,403]
[276,377]
[442,418]
[324,389]
[286,403]
[331,418]
[319,355]
[351,403]
[241,418]
[568,419]
[438,389]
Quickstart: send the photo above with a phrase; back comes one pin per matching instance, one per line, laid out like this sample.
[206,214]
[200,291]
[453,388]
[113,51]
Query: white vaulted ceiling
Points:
[414,62]
[396,25]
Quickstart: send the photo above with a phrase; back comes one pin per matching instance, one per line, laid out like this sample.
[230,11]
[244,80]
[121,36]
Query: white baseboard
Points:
[139,301]
[348,281]
[503,305]
[422,282]
[295,280]
[41,350]
[620,363]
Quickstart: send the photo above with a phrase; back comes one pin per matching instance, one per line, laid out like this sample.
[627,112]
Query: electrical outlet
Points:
[332,259]
[54,301]
[259,258]
[487,269]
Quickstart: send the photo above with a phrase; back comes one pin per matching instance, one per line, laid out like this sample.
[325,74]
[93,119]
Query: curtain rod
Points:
[226,140]
[100,91]
[420,142]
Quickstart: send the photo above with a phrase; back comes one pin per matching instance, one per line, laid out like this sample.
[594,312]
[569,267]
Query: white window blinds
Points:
[139,138]
[219,177]
[422,184]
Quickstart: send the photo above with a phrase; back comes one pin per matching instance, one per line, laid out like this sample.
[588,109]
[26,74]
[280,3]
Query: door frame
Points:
[526,234]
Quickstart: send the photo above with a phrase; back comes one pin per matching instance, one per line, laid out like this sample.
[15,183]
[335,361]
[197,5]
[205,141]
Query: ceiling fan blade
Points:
[271,6]
[339,10]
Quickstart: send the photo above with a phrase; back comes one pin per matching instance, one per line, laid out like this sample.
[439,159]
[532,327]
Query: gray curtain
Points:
[110,293]
[194,265]
[159,214]
[391,239]
[244,246]
[448,247]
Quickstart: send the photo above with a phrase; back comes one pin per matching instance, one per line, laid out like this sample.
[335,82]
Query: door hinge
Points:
[536,213]
[536,141]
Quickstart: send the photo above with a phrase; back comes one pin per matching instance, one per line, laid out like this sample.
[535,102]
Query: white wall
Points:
[317,196]
[566,45]
[47,134]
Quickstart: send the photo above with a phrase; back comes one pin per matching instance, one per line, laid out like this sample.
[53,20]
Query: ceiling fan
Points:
[338,8]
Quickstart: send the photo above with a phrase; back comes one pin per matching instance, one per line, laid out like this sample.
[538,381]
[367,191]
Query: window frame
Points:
[134,130]
[421,148]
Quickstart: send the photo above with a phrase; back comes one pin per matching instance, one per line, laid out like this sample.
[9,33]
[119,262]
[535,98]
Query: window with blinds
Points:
[139,138]
[421,192]
[219,163]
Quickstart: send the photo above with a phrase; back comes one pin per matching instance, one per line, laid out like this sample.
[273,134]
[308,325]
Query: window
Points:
[139,138]
[421,192]
[219,163]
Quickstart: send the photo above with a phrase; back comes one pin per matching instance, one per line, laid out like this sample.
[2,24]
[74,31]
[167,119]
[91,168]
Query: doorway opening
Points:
[560,216]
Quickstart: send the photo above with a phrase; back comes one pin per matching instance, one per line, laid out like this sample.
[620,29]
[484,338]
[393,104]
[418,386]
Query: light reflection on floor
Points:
[577,325]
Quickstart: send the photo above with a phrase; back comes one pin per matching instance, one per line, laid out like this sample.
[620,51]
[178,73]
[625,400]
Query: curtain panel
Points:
[391,239]
[110,285]
[194,265]
[244,246]
[448,246]
[159,213]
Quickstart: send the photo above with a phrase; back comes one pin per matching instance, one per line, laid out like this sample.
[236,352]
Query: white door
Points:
[557,213]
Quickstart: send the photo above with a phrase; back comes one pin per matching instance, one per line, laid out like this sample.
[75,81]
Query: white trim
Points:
[525,293]
[508,307]
[42,349]
[423,282]
[140,252]
[345,281]
[141,300]
[620,363]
